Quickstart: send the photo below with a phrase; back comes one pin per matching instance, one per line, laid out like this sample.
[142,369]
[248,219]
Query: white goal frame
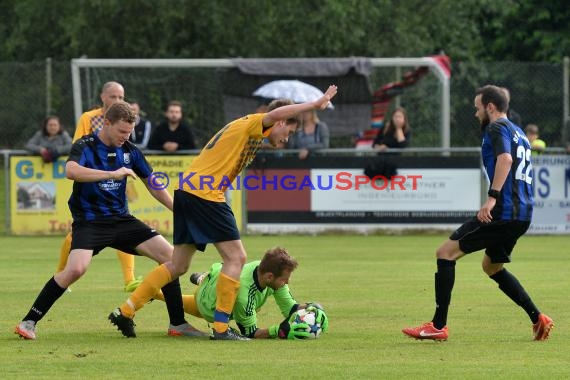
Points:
[78,63]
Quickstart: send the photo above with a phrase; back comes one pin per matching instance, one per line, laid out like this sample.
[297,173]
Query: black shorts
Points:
[498,237]
[124,233]
[198,221]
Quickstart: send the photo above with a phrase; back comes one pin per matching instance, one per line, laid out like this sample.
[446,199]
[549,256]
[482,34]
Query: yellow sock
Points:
[127,265]
[146,290]
[189,301]
[226,293]
[64,253]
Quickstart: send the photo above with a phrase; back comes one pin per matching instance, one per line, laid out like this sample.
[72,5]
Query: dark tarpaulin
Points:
[352,103]
[305,67]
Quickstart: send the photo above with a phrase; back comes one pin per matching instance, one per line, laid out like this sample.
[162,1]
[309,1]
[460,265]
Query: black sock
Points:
[174,305]
[47,297]
[509,284]
[444,281]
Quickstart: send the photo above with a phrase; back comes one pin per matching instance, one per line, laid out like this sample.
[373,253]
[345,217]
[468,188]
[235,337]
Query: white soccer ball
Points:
[309,317]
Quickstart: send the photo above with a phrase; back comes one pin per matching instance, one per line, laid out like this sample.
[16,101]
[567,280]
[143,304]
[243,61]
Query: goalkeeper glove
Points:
[320,317]
[314,304]
[289,330]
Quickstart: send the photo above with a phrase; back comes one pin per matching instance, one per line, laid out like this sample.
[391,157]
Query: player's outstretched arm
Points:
[286,112]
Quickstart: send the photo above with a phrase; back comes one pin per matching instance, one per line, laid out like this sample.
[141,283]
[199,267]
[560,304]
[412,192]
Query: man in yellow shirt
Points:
[201,215]
[92,122]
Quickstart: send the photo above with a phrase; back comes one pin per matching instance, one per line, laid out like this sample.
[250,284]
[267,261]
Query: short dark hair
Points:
[276,260]
[495,95]
[175,103]
[120,111]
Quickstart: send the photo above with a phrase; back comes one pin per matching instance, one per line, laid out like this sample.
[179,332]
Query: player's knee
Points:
[241,258]
[164,256]
[177,269]
[490,268]
[69,275]
[442,253]
[182,268]
[236,259]
[449,250]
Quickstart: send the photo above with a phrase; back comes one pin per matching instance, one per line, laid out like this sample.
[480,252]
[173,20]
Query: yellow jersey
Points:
[224,157]
[89,122]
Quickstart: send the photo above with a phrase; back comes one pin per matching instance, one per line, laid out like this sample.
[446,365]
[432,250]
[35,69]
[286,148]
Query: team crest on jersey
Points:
[127,158]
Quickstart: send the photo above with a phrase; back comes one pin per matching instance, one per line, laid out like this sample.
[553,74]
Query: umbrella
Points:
[297,91]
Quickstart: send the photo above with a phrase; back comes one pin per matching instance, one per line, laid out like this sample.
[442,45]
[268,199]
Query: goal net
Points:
[216,91]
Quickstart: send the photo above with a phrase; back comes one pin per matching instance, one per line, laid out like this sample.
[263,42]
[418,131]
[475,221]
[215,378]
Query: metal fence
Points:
[32,90]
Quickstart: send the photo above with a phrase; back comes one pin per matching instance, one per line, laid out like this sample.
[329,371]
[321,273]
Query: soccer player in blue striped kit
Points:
[504,217]
[99,165]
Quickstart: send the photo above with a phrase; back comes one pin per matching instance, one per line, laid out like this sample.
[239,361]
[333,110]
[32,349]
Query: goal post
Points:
[88,63]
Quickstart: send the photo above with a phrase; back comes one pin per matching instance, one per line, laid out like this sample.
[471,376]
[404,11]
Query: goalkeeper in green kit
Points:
[259,280]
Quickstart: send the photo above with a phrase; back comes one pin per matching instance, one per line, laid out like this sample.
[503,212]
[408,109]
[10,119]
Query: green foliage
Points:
[247,28]
[371,287]
[531,30]
[467,30]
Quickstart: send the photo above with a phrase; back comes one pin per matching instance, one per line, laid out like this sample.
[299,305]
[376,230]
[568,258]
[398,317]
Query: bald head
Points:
[111,93]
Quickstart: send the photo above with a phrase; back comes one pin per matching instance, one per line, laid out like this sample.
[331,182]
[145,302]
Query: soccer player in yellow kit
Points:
[202,216]
[90,122]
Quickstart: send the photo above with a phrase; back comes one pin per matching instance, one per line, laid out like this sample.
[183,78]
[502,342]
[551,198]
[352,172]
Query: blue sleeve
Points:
[141,167]
[76,153]
[500,139]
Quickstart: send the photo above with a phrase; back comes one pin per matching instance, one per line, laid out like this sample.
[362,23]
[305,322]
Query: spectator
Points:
[536,144]
[143,128]
[396,133]
[51,141]
[173,133]
[314,134]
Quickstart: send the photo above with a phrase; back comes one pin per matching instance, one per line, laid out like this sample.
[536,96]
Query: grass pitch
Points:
[371,287]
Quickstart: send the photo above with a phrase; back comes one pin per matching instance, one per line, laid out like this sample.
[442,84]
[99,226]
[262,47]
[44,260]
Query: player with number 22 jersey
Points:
[515,202]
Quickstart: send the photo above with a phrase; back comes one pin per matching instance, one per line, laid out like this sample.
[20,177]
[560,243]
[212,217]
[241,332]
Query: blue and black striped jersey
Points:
[103,199]
[516,200]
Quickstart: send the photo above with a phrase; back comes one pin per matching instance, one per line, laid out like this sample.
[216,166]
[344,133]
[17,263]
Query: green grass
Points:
[371,286]
[3,205]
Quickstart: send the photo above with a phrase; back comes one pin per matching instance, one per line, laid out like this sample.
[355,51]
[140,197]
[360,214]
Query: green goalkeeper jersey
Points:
[249,299]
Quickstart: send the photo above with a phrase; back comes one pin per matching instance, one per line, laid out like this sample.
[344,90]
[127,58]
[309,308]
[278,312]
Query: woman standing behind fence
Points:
[51,141]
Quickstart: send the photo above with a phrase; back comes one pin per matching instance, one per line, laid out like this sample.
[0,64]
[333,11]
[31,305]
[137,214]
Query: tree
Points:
[34,30]
[530,30]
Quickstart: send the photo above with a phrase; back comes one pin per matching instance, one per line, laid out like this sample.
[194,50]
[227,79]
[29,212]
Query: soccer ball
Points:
[309,317]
